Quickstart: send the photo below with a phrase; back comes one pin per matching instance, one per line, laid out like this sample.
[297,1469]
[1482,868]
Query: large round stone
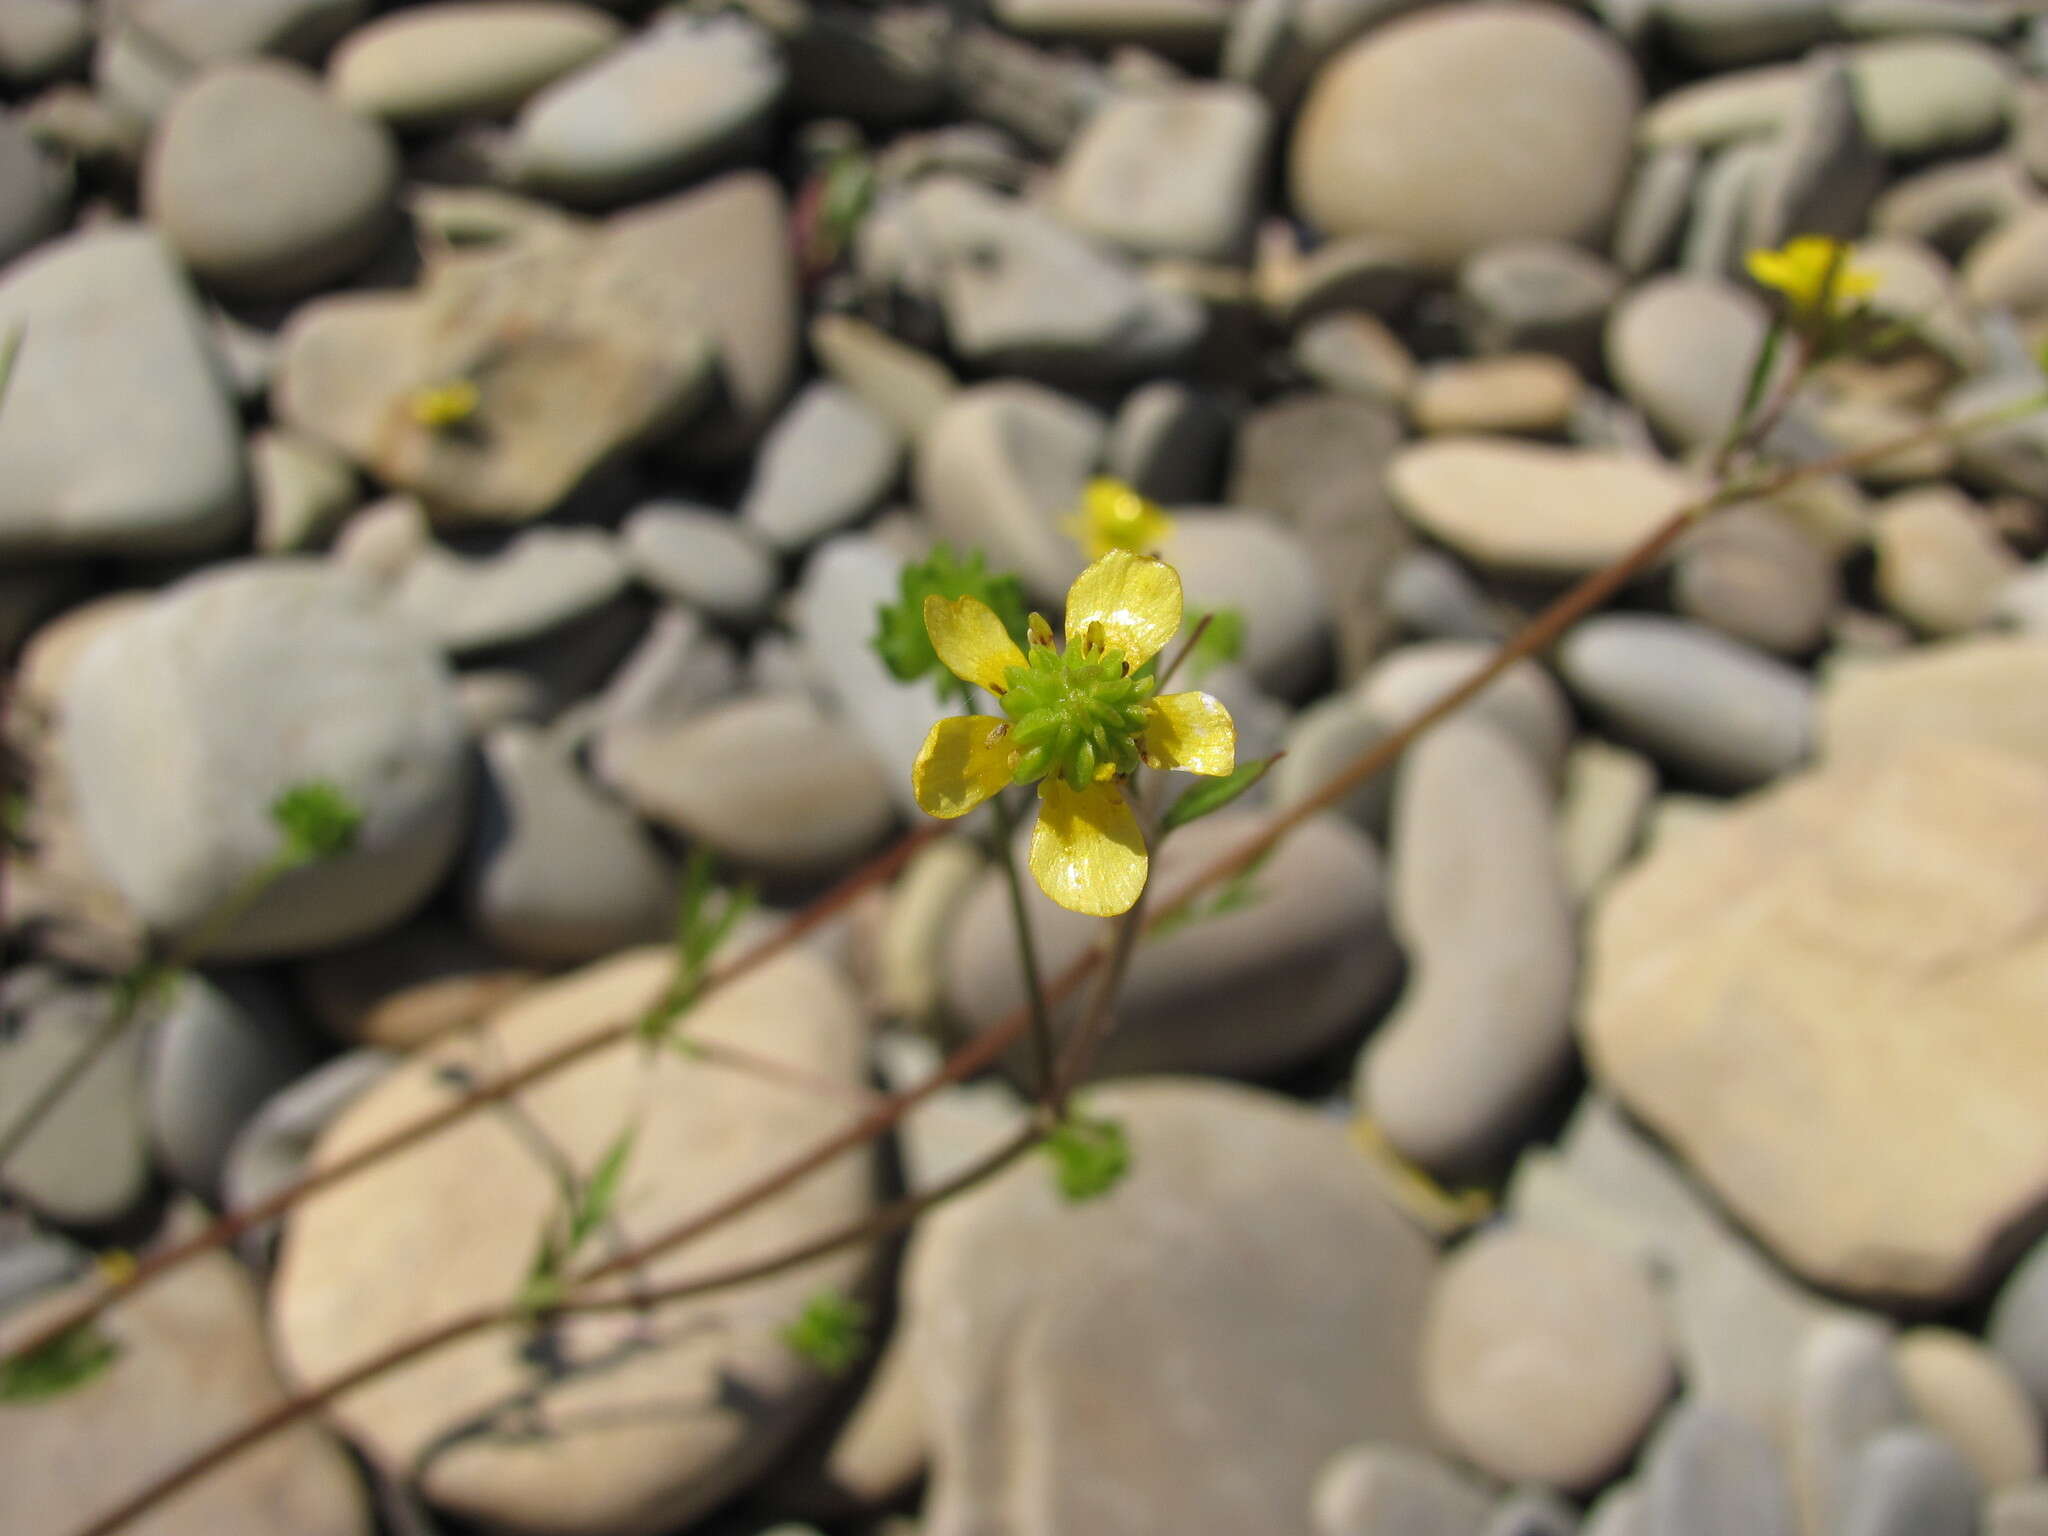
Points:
[641,1419]
[183,723]
[265,184]
[1826,999]
[1467,125]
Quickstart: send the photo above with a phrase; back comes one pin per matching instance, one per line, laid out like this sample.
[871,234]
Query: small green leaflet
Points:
[1235,894]
[317,821]
[830,1332]
[1220,640]
[68,1361]
[1213,794]
[1090,1156]
[588,1208]
[705,917]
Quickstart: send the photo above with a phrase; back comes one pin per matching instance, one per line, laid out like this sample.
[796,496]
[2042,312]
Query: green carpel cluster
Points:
[1073,712]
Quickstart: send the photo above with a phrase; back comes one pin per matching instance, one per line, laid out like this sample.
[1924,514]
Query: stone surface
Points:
[824,464]
[1524,702]
[1251,564]
[700,557]
[537,582]
[1963,1393]
[1754,575]
[2021,1511]
[560,871]
[1708,1472]
[117,436]
[1482,1035]
[998,470]
[1694,699]
[1911,1483]
[1175,172]
[220,1046]
[88,1161]
[1055,1338]
[1531,508]
[1682,349]
[1940,564]
[1168,442]
[434,63]
[41,38]
[769,783]
[1273,980]
[34,193]
[303,489]
[1456,129]
[1931,95]
[177,740]
[612,1451]
[1536,296]
[1544,1359]
[686,95]
[1987,690]
[898,381]
[1864,919]
[1601,810]
[265,185]
[192,1366]
[1822,170]
[1528,393]
[1371,1489]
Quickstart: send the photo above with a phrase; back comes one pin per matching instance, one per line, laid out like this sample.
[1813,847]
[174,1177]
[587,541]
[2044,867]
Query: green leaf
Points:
[830,1332]
[1221,640]
[900,638]
[1090,1156]
[705,917]
[600,1191]
[10,348]
[1214,794]
[68,1361]
[318,821]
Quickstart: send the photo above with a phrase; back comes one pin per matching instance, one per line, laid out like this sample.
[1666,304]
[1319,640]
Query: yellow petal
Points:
[1087,853]
[1113,516]
[1189,731]
[964,760]
[971,640]
[1135,599]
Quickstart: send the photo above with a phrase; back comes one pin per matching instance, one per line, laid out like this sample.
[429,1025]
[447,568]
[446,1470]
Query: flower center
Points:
[1075,713]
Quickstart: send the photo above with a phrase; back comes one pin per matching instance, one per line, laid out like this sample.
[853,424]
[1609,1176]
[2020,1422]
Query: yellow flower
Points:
[443,405]
[1800,269]
[1113,516]
[1078,722]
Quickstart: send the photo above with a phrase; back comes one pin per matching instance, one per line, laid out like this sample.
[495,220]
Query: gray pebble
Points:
[1847,1392]
[1911,1483]
[1389,1490]
[1537,296]
[825,463]
[1709,1473]
[1168,442]
[701,557]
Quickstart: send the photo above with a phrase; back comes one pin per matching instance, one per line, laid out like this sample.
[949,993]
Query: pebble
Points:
[1923,96]
[1531,508]
[1544,1359]
[1319,463]
[1251,564]
[1708,1472]
[826,463]
[1601,810]
[1373,1488]
[1699,702]
[998,471]
[1323,741]
[192,1366]
[702,558]
[1481,1037]
[404,987]
[88,1161]
[220,1046]
[1717,235]
[377,1257]
[265,185]
[2018,1329]
[118,436]
[32,1262]
[899,382]
[769,783]
[1940,564]
[1653,211]
[1172,172]
[1435,597]
[34,193]
[1354,353]
[1682,350]
[2002,269]
[559,872]
[1721,109]
[2021,1511]
[1963,1393]
[1756,576]
[1263,985]
[1024,294]
[1378,273]
[176,743]
[40,39]
[1823,170]
[687,95]
[1621,1511]
[1168,443]
[1911,1483]
[1524,702]
[1859,917]
[1952,204]
[1537,296]
[1719,33]
[536,583]
[435,63]
[1458,129]
[1180,1286]
[303,490]
[1528,393]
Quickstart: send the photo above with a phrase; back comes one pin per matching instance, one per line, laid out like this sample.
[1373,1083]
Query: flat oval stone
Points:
[436,63]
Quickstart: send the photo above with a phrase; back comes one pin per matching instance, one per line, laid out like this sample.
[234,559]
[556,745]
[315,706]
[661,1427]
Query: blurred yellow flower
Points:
[1113,516]
[1079,722]
[443,405]
[1801,268]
